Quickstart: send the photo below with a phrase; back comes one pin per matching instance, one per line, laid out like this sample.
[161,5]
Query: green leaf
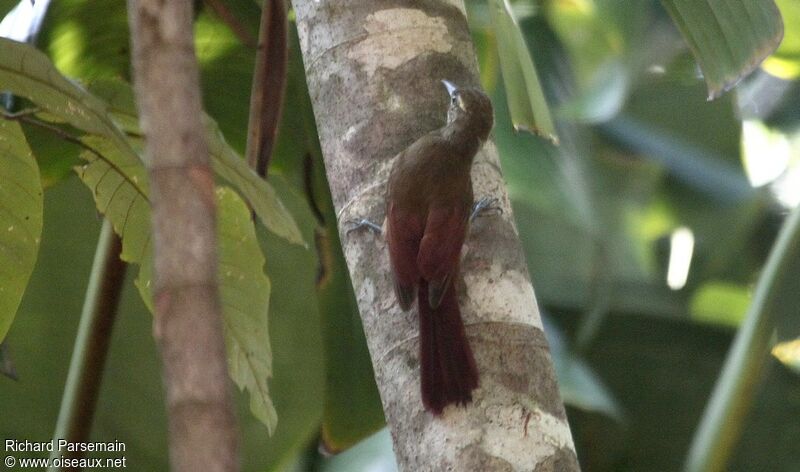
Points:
[20,219]
[526,100]
[260,194]
[245,294]
[119,186]
[120,191]
[55,157]
[225,161]
[116,176]
[729,38]
[27,72]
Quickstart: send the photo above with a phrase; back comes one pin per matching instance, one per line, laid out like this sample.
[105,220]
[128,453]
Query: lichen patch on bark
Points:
[386,29]
[507,290]
[513,444]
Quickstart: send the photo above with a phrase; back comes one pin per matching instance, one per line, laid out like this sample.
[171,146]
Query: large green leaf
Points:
[226,162]
[245,294]
[29,73]
[259,193]
[119,185]
[20,219]
[526,100]
[121,195]
[117,178]
[729,38]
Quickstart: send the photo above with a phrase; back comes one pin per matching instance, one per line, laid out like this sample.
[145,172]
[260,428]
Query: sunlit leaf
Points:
[785,61]
[789,354]
[87,39]
[27,72]
[729,38]
[526,100]
[717,302]
[20,219]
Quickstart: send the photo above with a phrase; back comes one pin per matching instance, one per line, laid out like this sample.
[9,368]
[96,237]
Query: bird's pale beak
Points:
[451,88]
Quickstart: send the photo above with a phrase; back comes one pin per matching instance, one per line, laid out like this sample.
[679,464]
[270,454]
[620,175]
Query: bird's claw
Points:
[362,223]
[484,206]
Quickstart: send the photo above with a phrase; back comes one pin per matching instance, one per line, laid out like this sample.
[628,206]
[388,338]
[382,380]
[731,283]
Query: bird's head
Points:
[470,107]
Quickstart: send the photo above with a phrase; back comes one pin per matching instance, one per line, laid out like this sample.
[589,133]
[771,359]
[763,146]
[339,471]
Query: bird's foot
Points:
[362,223]
[485,206]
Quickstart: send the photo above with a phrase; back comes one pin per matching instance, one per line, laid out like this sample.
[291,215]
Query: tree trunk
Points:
[188,318]
[374,70]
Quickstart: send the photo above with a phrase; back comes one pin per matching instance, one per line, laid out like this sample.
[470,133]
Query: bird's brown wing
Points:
[404,230]
[440,247]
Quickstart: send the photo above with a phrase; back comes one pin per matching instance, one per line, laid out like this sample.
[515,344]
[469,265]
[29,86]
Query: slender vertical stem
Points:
[776,296]
[188,313]
[269,85]
[92,342]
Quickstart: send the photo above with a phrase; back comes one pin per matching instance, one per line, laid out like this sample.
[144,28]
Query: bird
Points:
[429,206]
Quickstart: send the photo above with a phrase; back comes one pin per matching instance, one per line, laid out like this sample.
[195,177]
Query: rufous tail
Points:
[447,367]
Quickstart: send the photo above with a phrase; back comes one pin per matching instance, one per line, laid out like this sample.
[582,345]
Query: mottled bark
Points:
[188,318]
[374,69]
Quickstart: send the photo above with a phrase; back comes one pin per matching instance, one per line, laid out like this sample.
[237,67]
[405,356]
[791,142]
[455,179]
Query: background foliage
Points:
[642,154]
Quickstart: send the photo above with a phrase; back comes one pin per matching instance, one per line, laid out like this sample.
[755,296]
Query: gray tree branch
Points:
[374,71]
[188,318]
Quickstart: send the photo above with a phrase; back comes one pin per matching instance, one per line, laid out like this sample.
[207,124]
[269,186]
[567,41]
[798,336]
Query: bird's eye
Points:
[454,99]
